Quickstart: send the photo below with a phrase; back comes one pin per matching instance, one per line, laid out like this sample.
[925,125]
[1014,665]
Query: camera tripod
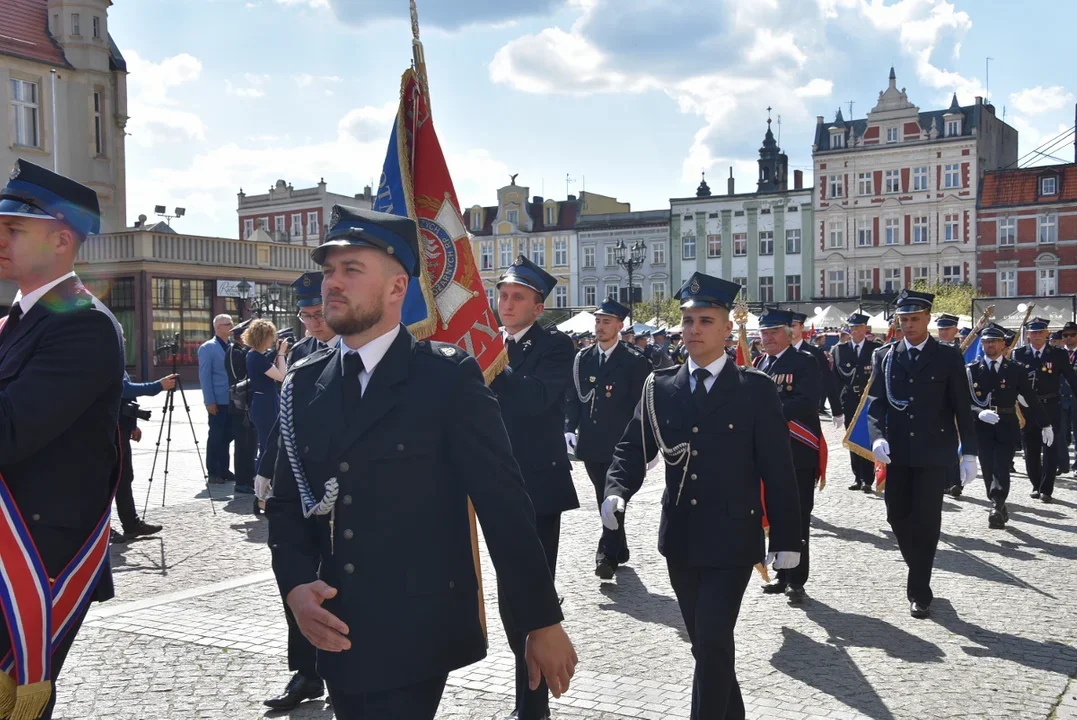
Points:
[166,419]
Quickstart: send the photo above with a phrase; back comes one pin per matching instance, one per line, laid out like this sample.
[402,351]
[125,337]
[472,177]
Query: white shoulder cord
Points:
[672,455]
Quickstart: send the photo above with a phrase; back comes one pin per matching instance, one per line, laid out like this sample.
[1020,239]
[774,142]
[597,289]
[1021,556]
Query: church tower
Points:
[773,164]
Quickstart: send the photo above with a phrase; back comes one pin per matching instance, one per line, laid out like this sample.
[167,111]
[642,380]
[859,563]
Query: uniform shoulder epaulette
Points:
[668,370]
[632,348]
[444,350]
[313,359]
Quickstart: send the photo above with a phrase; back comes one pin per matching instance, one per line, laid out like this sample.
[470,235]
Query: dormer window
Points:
[476,220]
[837,140]
[953,128]
[551,215]
[513,216]
[1049,185]
[891,135]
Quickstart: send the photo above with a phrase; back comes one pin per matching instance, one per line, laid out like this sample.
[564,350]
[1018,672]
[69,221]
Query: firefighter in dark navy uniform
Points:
[607,381]
[720,430]
[829,385]
[949,334]
[368,519]
[852,370]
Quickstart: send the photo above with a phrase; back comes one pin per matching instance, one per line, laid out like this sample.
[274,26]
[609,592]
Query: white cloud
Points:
[243,92]
[816,87]
[306,80]
[769,47]
[310,3]
[154,114]
[368,124]
[1037,100]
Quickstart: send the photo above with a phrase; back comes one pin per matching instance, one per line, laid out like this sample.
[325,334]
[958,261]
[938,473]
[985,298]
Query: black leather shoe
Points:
[115,537]
[955,491]
[1035,495]
[795,594]
[141,530]
[866,487]
[775,588]
[1046,499]
[299,688]
[918,611]
[856,486]
[995,521]
[604,569]
[244,489]
[216,480]
[516,716]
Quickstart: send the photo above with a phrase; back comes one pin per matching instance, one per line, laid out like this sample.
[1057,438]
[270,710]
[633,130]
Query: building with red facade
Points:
[1026,240]
[287,215]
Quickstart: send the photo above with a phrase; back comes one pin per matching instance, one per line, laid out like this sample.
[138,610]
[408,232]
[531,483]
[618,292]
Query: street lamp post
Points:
[630,259]
[263,303]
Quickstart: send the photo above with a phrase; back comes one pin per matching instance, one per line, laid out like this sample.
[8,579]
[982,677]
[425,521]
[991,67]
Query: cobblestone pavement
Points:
[196,630]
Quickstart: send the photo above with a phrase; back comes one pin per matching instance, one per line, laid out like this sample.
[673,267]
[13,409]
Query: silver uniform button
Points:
[348,534]
[344,467]
[693,501]
[347,499]
[349,568]
[694,476]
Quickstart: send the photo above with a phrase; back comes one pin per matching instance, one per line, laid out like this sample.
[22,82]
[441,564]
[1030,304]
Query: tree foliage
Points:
[952,298]
[668,312]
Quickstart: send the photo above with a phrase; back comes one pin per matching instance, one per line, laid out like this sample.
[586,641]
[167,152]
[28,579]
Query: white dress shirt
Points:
[371,353]
[714,369]
[29,300]
[770,360]
[518,336]
[920,347]
[607,353]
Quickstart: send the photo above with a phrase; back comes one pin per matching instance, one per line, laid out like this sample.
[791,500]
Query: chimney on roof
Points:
[818,119]
[538,199]
[572,198]
[729,183]
[798,179]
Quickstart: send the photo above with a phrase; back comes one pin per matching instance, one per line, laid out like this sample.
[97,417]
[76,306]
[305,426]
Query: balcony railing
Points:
[193,250]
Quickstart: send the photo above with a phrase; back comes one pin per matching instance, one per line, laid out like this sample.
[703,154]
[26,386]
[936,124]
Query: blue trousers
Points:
[264,409]
[220,437]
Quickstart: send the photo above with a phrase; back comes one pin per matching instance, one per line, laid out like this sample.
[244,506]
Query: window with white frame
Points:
[590,295]
[837,235]
[836,186]
[743,282]
[892,280]
[740,244]
[892,231]
[865,184]
[714,246]
[248,228]
[476,220]
[513,216]
[98,123]
[835,286]
[491,297]
[26,110]
[504,250]
[919,229]
[538,251]
[297,225]
[951,176]
[951,274]
[278,226]
[865,280]
[560,252]
[1047,283]
[658,253]
[688,247]
[551,215]
[75,28]
[560,296]
[766,288]
[919,274]
[611,255]
[613,290]
[953,128]
[312,224]
[792,288]
[766,242]
[588,256]
[892,181]
[1048,228]
[96,26]
[837,140]
[792,242]
[1007,283]
[1049,186]
[951,226]
[263,223]
[919,178]
[486,255]
[658,290]
[863,233]
[891,134]
[1007,231]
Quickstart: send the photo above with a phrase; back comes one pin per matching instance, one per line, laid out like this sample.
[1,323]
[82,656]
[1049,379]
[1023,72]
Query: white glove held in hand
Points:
[881,450]
[1048,435]
[611,505]
[989,416]
[786,560]
[839,421]
[570,442]
[262,487]
[1021,400]
[968,469]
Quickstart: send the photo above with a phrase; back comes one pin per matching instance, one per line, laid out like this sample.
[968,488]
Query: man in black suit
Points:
[995,383]
[852,370]
[829,384]
[61,376]
[799,381]
[607,380]
[919,413]
[1046,367]
[720,430]
[657,352]
[531,391]
[384,440]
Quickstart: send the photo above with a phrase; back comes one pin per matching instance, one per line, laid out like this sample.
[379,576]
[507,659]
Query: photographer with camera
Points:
[130,414]
[265,368]
[243,433]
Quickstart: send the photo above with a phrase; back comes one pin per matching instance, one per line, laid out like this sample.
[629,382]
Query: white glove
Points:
[839,421]
[989,416]
[785,560]
[1048,435]
[968,469]
[570,442]
[1021,400]
[881,450]
[654,463]
[262,487]
[611,505]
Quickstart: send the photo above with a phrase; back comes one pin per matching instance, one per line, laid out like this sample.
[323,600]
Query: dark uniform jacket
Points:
[531,391]
[426,436]
[303,348]
[852,372]
[828,385]
[998,391]
[936,388]
[61,376]
[738,438]
[1047,373]
[797,377]
[1066,389]
[658,356]
[617,386]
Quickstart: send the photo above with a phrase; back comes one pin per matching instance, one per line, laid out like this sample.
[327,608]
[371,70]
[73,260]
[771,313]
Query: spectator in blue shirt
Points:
[214,381]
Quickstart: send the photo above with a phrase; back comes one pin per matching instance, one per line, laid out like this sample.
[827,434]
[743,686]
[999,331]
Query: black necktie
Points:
[13,317]
[353,388]
[913,354]
[601,358]
[767,363]
[700,393]
[992,366]
[514,350]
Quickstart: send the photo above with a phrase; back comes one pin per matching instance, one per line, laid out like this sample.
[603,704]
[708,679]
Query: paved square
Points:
[196,630]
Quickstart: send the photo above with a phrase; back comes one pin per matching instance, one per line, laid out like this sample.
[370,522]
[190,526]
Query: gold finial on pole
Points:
[418,57]
[740,311]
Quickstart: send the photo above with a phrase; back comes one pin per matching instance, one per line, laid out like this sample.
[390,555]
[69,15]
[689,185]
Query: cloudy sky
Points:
[632,97]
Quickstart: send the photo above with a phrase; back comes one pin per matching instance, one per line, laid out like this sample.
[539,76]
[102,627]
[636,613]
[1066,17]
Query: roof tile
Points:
[25,32]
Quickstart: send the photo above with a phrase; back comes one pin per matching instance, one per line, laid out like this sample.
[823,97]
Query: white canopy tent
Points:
[830,316]
[578,323]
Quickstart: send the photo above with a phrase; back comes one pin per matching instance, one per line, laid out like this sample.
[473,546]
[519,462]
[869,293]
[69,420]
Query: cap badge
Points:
[15,172]
[694,287]
[306,281]
[334,218]
[448,351]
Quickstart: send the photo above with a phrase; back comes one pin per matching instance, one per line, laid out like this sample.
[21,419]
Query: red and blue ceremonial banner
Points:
[447,302]
[857,438]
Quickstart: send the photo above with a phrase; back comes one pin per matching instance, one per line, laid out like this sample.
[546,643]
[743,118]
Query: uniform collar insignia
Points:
[15,172]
